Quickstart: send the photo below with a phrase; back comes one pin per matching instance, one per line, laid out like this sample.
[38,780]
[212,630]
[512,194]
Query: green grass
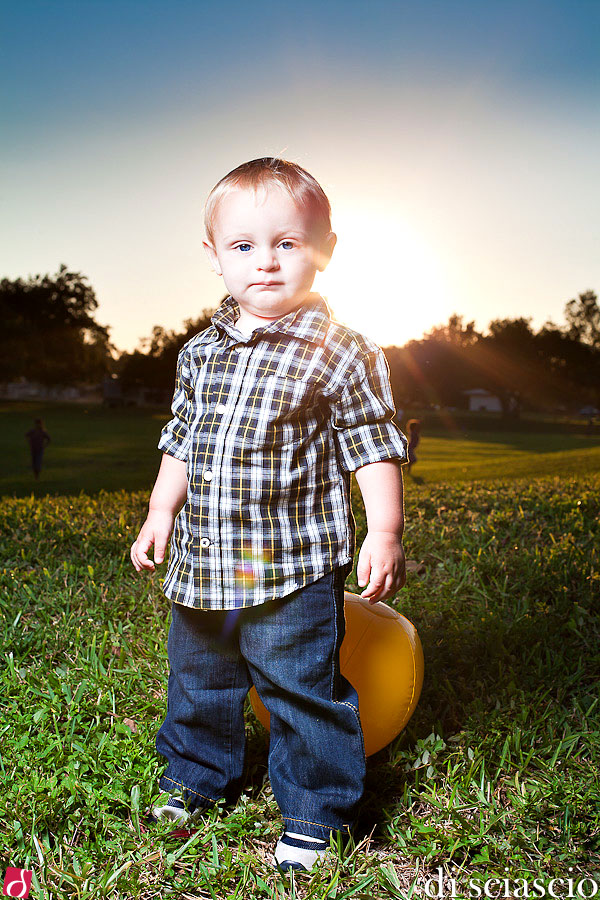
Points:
[495,775]
[92,449]
[484,457]
[97,449]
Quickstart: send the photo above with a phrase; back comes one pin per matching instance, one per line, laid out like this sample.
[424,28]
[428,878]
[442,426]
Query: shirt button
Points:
[204,542]
[207,475]
[221,408]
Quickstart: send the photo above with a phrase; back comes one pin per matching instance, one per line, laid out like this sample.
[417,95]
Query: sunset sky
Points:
[458,143]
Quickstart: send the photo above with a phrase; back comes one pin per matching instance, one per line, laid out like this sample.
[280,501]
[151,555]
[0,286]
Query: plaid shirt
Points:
[270,426]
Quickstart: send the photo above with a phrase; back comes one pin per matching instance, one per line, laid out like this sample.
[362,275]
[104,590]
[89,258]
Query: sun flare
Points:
[384,279]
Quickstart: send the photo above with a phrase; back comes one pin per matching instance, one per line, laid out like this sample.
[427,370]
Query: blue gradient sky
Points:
[458,143]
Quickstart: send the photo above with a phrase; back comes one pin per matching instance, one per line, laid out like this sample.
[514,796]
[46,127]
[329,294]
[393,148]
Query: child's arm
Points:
[168,496]
[381,559]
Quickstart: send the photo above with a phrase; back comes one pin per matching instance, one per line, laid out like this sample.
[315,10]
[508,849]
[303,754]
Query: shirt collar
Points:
[309,322]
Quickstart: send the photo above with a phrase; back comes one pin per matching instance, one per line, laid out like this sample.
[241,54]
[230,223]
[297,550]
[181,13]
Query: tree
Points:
[153,363]
[454,332]
[510,365]
[583,319]
[49,333]
[575,365]
[436,369]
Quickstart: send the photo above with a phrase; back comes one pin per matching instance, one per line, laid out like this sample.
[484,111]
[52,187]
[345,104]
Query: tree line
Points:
[50,335]
[557,366]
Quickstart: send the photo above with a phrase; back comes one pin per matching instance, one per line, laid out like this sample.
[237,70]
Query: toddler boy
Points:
[275,406]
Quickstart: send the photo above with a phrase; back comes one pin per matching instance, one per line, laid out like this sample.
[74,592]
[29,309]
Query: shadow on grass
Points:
[535,674]
[529,442]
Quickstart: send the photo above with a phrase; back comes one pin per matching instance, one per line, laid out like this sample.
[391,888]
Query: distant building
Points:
[481,400]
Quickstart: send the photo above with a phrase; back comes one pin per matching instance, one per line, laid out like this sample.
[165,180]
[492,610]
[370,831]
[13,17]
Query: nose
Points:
[266,259]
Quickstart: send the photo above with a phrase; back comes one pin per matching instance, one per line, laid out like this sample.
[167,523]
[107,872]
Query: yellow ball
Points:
[382,658]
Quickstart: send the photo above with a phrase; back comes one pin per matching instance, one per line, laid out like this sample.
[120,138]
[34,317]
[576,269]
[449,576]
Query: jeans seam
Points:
[335,666]
[336,669]
[274,748]
[317,824]
[184,787]
[230,735]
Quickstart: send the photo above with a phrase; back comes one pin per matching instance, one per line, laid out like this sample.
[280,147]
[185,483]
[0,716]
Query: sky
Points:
[458,143]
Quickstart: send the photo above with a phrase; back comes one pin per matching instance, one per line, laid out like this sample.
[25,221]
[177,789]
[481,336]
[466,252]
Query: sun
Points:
[384,280]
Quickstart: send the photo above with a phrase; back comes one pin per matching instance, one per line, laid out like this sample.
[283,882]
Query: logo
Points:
[17,882]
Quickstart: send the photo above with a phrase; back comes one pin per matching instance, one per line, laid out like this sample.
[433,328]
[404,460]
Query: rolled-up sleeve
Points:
[363,413]
[175,436]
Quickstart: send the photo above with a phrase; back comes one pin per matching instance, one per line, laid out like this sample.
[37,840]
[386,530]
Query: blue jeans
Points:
[289,649]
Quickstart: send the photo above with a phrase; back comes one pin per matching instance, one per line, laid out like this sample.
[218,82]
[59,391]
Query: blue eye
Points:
[244,247]
[289,245]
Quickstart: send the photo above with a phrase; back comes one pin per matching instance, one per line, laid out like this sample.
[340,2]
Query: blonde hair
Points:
[262,173]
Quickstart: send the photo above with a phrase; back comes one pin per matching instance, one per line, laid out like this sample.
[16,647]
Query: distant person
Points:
[275,406]
[38,439]
[413,427]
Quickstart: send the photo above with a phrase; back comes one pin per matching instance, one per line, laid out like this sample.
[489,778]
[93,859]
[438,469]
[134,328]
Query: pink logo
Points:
[17,882]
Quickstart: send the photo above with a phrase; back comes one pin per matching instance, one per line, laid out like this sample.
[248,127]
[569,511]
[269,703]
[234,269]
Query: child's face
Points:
[266,251]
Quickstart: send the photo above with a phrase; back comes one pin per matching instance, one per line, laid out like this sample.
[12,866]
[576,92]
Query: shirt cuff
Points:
[364,444]
[174,444]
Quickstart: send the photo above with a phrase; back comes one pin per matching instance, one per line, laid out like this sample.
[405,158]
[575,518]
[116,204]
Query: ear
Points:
[212,256]
[325,250]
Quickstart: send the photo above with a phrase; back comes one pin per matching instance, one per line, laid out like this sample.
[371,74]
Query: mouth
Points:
[266,283]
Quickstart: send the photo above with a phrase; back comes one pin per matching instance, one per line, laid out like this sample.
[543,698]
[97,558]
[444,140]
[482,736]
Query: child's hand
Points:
[381,563]
[155,530]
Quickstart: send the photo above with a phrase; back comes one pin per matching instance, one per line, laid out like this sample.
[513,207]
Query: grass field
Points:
[97,449]
[496,775]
